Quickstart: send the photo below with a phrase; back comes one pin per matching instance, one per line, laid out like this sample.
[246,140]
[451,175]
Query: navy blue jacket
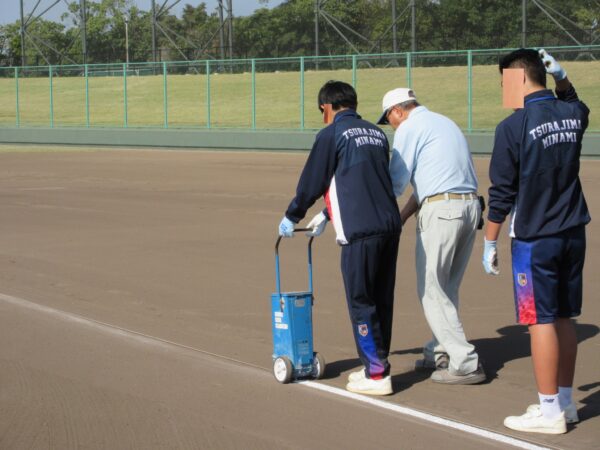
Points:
[349,165]
[534,168]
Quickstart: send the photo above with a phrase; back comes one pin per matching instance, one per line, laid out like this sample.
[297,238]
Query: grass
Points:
[278,97]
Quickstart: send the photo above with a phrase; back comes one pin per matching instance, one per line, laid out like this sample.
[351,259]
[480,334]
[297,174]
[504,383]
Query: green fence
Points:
[269,93]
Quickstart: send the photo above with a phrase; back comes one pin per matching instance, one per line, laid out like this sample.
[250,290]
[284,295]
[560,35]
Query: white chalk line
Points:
[156,341]
[116,330]
[470,429]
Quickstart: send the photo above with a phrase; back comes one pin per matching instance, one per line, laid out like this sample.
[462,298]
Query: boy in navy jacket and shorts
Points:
[534,173]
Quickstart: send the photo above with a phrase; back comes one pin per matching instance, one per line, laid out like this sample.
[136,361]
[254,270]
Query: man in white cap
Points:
[431,153]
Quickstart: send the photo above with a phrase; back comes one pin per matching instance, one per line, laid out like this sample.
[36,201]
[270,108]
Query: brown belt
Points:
[450,196]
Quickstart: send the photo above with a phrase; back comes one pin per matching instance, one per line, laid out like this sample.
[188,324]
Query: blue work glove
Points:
[286,227]
[490,257]
[552,66]
[317,224]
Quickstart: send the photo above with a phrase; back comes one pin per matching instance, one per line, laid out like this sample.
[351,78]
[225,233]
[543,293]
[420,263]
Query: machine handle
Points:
[277,276]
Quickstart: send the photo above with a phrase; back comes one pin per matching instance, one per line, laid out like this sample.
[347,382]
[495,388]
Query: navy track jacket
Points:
[534,168]
[349,165]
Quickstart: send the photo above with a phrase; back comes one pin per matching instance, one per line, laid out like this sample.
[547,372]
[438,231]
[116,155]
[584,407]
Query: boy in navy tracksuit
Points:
[534,172]
[348,165]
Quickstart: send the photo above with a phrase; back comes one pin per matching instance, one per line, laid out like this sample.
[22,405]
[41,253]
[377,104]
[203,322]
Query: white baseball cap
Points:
[393,98]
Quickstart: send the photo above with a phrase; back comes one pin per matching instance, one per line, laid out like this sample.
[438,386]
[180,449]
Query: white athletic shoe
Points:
[369,386]
[357,375]
[570,412]
[534,422]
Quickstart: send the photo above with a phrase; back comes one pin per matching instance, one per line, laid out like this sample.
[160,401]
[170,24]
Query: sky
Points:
[10,9]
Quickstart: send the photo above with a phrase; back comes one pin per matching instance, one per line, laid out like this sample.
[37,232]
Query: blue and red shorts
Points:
[547,276]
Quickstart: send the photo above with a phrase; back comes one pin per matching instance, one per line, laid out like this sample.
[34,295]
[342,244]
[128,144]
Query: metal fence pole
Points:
[87,97]
[302,92]
[51,97]
[125,95]
[470,91]
[18,112]
[165,98]
[208,94]
[253,94]
[408,70]
[354,71]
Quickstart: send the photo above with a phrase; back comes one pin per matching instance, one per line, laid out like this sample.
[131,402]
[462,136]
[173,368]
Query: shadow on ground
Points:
[591,403]
[512,343]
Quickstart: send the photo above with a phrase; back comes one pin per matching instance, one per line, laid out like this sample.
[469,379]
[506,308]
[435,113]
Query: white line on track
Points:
[155,341]
[497,437]
[42,188]
[116,330]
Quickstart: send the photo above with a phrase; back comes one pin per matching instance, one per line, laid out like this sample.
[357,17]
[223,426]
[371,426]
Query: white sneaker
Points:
[369,386]
[570,412]
[358,375]
[534,422]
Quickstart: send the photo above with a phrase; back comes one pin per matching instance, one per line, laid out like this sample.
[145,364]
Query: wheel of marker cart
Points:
[282,369]
[318,366]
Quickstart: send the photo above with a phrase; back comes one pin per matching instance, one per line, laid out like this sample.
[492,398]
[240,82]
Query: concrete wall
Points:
[481,143]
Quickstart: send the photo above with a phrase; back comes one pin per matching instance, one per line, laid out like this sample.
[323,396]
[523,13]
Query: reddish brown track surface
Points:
[178,246]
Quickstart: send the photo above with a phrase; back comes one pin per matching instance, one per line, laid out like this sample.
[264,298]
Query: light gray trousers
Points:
[445,234]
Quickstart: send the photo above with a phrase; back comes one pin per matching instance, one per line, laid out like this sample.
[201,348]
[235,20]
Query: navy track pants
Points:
[369,272]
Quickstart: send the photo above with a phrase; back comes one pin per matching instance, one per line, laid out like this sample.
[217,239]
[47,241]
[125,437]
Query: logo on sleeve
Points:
[522,278]
[363,329]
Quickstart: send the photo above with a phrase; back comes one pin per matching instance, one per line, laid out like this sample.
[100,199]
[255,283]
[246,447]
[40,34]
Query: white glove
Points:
[317,224]
[552,66]
[286,227]
[490,257]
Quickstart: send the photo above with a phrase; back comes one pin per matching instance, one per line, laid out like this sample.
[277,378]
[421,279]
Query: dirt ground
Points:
[168,255]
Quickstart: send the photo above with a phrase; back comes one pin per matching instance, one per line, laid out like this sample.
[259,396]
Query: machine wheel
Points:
[282,369]
[318,366]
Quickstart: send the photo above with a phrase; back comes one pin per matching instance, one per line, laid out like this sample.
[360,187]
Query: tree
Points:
[105,29]
[4,48]
[43,42]
[288,29]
